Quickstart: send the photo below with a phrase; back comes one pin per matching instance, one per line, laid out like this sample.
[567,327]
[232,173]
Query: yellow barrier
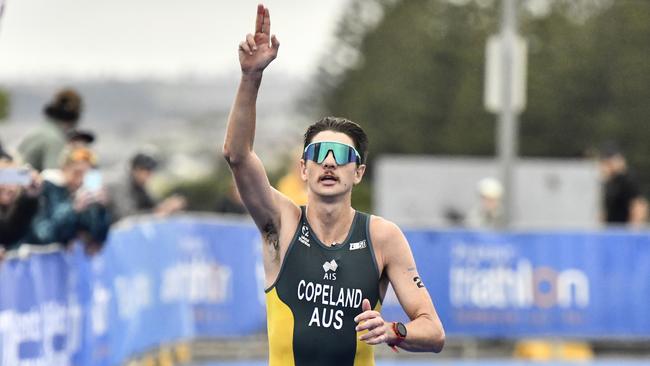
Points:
[544,350]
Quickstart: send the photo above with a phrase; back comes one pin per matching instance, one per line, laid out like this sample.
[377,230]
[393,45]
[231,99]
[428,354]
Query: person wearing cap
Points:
[489,212]
[80,138]
[623,202]
[43,146]
[131,197]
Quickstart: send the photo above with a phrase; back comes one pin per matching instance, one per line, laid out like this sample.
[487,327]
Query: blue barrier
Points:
[161,281]
[586,285]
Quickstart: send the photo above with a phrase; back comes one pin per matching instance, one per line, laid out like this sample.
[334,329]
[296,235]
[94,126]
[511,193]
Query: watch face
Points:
[401,330]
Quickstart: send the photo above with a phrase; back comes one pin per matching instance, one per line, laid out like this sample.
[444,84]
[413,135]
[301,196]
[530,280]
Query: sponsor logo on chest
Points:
[304,235]
[330,270]
[358,245]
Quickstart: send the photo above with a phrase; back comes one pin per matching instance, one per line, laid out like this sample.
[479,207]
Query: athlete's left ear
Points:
[358,173]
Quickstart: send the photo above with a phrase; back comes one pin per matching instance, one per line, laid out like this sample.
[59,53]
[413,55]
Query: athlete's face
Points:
[329,178]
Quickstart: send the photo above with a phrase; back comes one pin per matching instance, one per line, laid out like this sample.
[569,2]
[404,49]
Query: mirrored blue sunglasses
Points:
[343,153]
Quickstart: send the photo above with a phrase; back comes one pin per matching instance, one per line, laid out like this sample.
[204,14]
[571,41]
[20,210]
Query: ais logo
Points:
[330,270]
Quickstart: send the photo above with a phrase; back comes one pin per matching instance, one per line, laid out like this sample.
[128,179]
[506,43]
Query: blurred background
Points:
[519,171]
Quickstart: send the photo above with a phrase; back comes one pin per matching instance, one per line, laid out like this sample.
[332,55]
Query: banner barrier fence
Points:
[161,281]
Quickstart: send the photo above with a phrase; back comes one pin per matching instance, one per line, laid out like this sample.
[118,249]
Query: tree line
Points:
[412,73]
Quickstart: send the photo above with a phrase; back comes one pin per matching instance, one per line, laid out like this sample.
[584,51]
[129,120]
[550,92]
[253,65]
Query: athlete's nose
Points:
[330,161]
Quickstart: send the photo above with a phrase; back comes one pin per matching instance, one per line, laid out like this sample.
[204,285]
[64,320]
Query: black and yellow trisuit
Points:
[318,292]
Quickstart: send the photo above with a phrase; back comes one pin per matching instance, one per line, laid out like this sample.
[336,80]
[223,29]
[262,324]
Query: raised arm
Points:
[255,54]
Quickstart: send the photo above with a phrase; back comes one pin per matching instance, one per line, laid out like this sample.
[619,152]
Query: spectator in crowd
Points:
[67,210]
[131,197]
[42,147]
[623,202]
[18,204]
[291,184]
[488,213]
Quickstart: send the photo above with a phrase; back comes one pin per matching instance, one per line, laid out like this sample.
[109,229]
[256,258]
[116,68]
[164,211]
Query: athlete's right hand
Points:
[373,322]
[259,49]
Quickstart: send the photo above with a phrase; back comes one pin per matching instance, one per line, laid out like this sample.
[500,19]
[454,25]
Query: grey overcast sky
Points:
[155,38]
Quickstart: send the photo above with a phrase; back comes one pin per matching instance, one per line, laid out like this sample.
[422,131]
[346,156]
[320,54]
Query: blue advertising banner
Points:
[161,281]
[181,279]
[157,281]
[535,284]
[39,319]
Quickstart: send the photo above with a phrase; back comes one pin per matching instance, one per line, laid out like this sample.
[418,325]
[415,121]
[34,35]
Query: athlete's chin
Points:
[330,192]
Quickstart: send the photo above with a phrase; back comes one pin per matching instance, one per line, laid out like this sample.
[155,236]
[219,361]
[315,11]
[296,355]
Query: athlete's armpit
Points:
[271,238]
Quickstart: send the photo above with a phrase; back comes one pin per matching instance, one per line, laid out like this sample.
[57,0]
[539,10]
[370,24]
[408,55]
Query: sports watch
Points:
[400,332]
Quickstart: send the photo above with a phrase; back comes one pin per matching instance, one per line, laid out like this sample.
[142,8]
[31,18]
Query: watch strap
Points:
[400,337]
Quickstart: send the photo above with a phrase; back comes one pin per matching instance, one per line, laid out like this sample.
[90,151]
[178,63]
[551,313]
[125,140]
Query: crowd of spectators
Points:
[51,189]
[44,202]
[52,208]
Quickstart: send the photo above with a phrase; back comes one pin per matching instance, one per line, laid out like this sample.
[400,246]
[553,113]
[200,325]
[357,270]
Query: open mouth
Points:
[328,178]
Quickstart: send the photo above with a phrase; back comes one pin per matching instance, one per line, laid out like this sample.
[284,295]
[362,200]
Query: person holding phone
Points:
[19,191]
[66,210]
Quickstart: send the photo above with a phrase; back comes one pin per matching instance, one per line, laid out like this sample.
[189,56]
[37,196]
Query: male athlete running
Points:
[327,266]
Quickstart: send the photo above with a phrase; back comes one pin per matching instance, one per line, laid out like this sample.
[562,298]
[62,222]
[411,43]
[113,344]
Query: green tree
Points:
[417,82]
[412,73]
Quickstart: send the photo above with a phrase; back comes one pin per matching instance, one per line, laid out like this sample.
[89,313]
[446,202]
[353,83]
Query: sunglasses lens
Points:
[343,154]
[310,152]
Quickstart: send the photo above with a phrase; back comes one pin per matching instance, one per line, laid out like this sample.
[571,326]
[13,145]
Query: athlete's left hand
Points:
[378,329]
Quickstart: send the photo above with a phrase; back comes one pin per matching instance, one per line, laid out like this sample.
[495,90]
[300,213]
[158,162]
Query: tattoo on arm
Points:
[418,281]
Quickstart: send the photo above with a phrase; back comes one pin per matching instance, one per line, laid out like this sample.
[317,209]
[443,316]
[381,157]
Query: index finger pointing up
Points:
[260,18]
[266,24]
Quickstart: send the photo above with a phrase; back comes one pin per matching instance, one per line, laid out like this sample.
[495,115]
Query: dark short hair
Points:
[609,150]
[144,161]
[85,136]
[343,125]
